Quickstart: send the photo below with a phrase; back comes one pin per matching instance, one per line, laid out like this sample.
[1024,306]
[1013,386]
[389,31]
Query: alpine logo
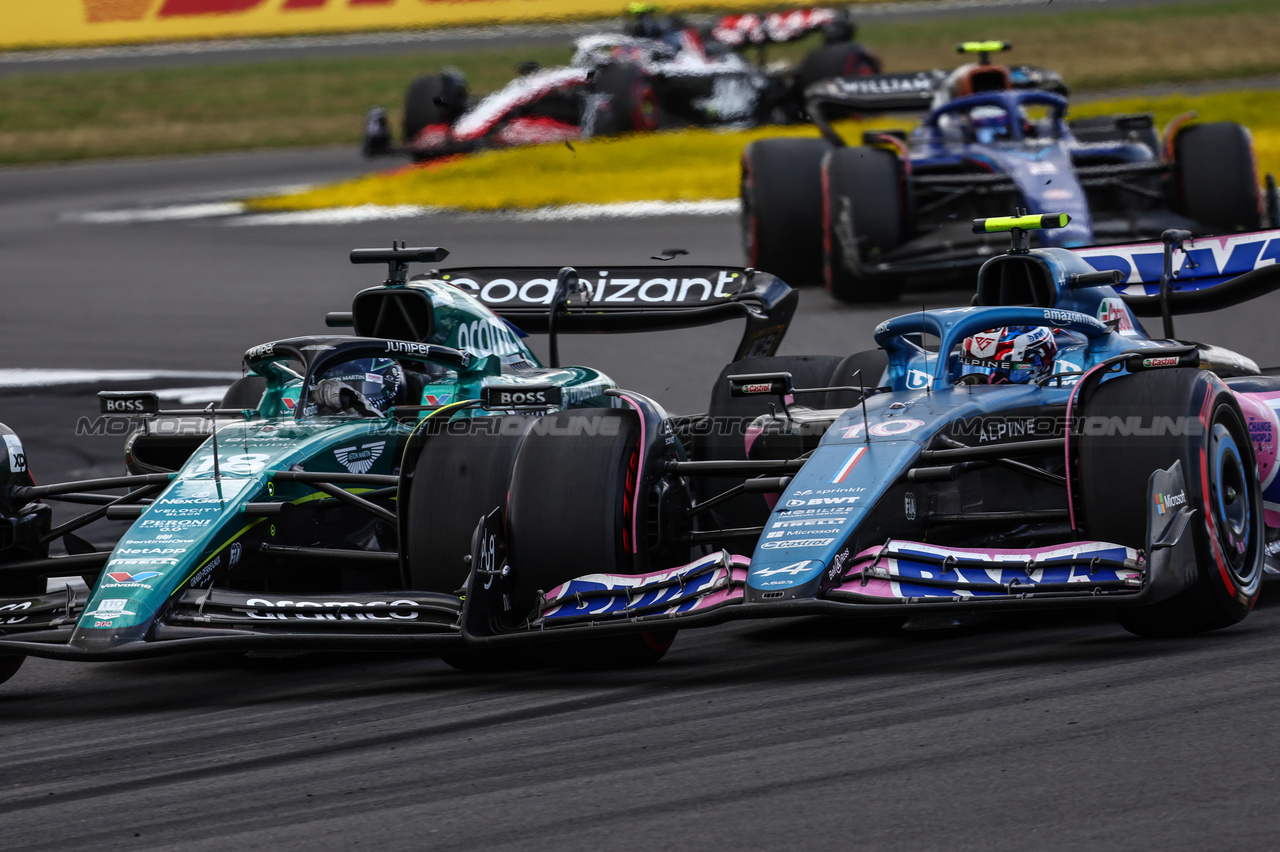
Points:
[126,577]
[793,569]
[359,459]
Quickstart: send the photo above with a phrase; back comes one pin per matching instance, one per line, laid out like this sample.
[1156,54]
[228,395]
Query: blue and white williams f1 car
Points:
[891,213]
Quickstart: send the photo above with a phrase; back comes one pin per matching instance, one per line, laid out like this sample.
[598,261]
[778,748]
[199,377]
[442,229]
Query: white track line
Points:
[193,395]
[233,213]
[627,210]
[175,212]
[337,215]
[19,378]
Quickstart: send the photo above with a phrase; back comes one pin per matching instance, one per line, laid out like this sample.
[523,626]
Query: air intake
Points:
[1016,280]
[399,313]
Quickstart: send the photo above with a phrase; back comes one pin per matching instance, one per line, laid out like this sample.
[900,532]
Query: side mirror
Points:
[755,384]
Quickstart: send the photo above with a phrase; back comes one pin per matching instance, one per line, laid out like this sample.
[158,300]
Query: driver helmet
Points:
[1014,354]
[643,21]
[365,386]
[988,124]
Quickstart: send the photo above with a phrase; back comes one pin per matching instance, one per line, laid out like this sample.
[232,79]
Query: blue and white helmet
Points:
[988,124]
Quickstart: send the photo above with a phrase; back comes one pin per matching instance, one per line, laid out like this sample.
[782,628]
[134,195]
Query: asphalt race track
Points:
[1048,733]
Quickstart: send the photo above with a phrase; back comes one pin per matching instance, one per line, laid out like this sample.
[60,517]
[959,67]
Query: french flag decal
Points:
[848,466]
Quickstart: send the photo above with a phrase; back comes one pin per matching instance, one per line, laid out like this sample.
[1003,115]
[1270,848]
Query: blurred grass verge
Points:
[686,165]
[73,116]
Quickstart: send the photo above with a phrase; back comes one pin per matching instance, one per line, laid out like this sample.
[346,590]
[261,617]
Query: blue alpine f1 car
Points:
[1038,449]
[892,213]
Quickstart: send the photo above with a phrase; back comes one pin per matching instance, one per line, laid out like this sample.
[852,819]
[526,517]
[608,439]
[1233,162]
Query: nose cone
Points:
[106,639]
[800,579]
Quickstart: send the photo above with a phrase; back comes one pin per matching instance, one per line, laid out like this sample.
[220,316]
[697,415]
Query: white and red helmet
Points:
[1016,353]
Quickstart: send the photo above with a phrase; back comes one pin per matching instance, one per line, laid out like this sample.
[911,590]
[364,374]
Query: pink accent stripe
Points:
[848,466]
[635,505]
[1066,444]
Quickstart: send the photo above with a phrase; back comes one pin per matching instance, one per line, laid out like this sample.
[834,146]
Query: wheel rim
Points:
[628,501]
[645,114]
[1230,495]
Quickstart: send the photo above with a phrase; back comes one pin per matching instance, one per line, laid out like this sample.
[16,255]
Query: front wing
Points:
[201,620]
[897,578]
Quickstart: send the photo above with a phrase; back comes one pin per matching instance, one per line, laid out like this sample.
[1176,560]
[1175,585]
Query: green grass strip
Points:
[687,165]
[70,116]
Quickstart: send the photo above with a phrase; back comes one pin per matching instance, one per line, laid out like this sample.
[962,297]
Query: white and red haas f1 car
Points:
[658,73]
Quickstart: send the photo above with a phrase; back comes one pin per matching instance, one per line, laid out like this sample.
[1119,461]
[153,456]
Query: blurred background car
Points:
[659,72]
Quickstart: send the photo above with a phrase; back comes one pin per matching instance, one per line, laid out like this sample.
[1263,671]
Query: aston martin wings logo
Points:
[359,459]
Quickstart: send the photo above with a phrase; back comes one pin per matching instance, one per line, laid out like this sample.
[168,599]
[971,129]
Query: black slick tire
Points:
[573,511]
[1215,177]
[461,474]
[431,99]
[870,365]
[844,59]
[245,393]
[633,103]
[1221,485]
[782,207]
[863,202]
[725,439]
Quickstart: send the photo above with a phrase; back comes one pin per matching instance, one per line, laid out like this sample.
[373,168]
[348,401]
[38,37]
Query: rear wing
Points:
[636,298]
[739,31]
[912,91]
[1212,273]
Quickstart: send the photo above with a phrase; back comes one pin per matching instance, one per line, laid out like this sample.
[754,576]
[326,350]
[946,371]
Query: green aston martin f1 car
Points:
[330,501]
